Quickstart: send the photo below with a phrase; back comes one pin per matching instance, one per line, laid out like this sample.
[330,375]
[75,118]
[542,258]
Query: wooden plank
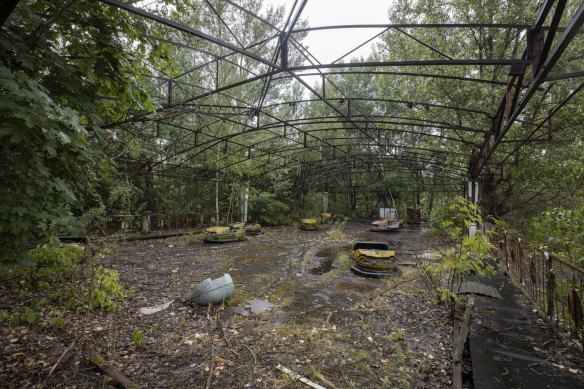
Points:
[461,340]
[111,371]
[459,335]
[456,367]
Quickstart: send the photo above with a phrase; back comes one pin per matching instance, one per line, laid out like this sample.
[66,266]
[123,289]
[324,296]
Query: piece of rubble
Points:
[230,311]
[258,306]
[279,317]
[155,308]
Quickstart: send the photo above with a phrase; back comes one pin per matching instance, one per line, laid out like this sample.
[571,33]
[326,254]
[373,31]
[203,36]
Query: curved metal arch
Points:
[339,120]
[383,100]
[249,129]
[341,169]
[408,74]
[407,160]
[495,134]
[362,159]
[425,134]
[189,30]
[314,174]
[506,26]
[369,158]
[391,145]
[428,62]
[209,144]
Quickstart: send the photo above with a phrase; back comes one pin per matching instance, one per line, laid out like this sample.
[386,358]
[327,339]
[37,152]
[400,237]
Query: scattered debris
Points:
[411,336]
[214,291]
[258,306]
[155,308]
[111,371]
[229,311]
[248,326]
[279,317]
[474,287]
[299,377]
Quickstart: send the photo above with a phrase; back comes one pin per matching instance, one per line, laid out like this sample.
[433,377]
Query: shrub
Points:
[106,288]
[465,254]
[336,231]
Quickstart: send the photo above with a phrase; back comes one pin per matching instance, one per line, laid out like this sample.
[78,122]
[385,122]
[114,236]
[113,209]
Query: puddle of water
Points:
[325,266]
[355,287]
[326,258]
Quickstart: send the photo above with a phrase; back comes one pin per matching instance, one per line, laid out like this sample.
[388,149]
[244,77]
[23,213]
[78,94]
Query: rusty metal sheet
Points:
[230,311]
[474,287]
[279,317]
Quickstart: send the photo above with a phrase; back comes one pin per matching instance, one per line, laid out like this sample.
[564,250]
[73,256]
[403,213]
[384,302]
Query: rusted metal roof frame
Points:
[541,75]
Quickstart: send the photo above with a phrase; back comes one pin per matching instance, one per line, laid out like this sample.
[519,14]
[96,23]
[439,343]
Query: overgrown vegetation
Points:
[335,233]
[560,230]
[89,146]
[109,120]
[463,254]
[58,281]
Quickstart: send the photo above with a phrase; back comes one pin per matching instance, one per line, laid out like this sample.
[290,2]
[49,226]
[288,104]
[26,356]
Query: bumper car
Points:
[326,217]
[308,224]
[249,228]
[221,234]
[385,225]
[253,229]
[373,259]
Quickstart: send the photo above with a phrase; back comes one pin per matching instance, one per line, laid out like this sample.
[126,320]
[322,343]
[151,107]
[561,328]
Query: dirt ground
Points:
[326,324]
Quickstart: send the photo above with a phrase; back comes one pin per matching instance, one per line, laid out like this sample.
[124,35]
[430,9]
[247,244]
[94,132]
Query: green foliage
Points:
[560,230]
[455,218]
[464,254]
[14,320]
[52,74]
[467,256]
[44,164]
[138,337]
[57,318]
[53,261]
[76,305]
[31,316]
[124,198]
[94,217]
[335,233]
[106,289]
[56,255]
[268,210]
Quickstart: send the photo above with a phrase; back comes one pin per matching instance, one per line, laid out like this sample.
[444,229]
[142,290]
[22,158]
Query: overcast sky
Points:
[329,45]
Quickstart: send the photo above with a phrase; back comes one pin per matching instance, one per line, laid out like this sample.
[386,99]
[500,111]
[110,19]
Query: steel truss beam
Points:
[506,26]
[539,53]
[510,107]
[189,30]
[401,74]
[428,62]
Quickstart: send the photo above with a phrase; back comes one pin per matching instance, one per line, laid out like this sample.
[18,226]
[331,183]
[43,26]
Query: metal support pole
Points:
[283,50]
[146,223]
[217,189]
[244,197]
[473,196]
